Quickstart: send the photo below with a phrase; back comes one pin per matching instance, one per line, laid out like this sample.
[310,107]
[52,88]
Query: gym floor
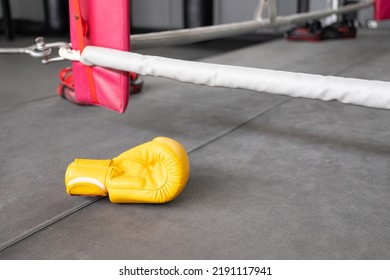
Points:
[272,177]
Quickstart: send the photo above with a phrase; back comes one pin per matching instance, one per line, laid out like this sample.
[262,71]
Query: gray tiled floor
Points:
[271,177]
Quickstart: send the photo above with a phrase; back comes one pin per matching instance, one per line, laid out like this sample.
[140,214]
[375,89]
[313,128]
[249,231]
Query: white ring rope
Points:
[367,93]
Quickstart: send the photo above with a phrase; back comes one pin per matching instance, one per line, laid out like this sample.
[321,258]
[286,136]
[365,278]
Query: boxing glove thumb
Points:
[154,172]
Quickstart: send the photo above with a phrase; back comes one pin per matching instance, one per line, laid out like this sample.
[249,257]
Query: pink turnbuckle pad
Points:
[382,9]
[106,24]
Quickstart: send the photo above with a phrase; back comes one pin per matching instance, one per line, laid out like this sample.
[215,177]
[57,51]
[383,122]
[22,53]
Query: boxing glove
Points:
[154,172]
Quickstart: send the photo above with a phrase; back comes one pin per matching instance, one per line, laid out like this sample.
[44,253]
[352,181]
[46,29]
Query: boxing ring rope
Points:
[369,93]
[192,35]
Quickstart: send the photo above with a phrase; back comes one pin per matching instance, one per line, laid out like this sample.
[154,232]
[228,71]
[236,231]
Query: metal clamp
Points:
[58,45]
[39,50]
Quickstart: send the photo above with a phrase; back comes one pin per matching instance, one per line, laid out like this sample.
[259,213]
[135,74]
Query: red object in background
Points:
[314,32]
[382,9]
[339,30]
[136,83]
[66,88]
[311,31]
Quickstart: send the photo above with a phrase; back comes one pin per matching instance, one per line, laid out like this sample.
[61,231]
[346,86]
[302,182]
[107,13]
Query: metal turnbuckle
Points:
[39,50]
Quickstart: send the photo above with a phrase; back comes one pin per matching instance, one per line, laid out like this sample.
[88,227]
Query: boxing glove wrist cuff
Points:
[88,177]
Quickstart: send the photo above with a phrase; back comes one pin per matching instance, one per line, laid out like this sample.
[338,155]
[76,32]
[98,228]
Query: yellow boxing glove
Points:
[154,172]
